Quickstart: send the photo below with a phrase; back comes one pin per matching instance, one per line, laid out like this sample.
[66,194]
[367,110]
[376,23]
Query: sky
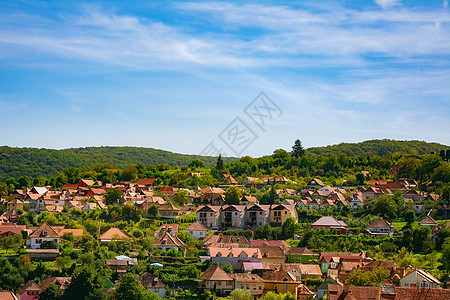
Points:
[239,78]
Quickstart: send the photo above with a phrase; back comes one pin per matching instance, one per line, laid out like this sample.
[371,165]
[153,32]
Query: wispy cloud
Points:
[329,64]
[387,3]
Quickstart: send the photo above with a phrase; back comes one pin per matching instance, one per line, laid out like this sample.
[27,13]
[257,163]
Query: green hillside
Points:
[15,162]
[380,148]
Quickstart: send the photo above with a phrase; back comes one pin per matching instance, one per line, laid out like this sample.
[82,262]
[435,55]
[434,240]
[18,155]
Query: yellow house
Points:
[14,205]
[279,214]
[282,281]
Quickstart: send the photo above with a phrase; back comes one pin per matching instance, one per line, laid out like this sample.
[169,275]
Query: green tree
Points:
[408,167]
[422,239]
[196,163]
[3,189]
[85,284]
[445,258]
[24,181]
[130,288]
[385,207]
[14,241]
[112,196]
[289,227]
[153,211]
[228,268]
[368,278]
[130,174]
[298,150]
[180,198]
[63,263]
[219,163]
[239,294]
[233,195]
[51,292]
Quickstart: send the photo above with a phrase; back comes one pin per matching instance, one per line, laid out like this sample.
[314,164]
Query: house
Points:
[61,282]
[384,292]
[330,223]
[381,227]
[95,192]
[331,259]
[420,278]
[357,200]
[147,182]
[373,193]
[429,221]
[44,233]
[30,291]
[172,229]
[14,204]
[7,229]
[85,183]
[272,243]
[249,200]
[416,196]
[121,266]
[167,241]
[153,284]
[327,189]
[256,215]
[168,210]
[234,256]
[323,287]
[197,230]
[7,295]
[316,182]
[283,281]
[229,179]
[11,215]
[208,216]
[225,241]
[249,282]
[216,278]
[279,214]
[114,234]
[219,200]
[301,255]
[272,254]
[231,217]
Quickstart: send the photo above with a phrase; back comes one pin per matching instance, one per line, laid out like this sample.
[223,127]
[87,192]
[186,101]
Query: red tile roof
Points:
[215,272]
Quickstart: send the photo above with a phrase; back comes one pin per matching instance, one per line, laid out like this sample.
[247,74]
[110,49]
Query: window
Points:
[285,287]
[44,232]
[229,282]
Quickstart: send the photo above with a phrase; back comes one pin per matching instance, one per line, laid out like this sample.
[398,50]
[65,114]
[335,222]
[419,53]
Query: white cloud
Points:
[385,4]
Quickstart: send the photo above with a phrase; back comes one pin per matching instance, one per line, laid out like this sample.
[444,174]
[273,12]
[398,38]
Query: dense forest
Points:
[380,148]
[33,162]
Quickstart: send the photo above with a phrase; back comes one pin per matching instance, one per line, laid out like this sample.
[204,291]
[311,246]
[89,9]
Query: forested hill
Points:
[379,147]
[15,162]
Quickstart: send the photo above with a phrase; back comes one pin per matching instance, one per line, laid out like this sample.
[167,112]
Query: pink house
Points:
[30,291]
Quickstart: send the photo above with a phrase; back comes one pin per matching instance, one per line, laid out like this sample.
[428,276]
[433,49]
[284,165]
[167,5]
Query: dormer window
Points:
[230,255]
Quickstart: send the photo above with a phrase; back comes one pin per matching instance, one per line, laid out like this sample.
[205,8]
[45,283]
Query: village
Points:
[217,238]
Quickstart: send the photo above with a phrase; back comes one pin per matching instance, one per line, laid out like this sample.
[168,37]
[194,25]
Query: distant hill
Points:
[379,147]
[15,162]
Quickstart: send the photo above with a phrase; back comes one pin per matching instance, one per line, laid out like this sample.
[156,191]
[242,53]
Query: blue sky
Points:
[173,75]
